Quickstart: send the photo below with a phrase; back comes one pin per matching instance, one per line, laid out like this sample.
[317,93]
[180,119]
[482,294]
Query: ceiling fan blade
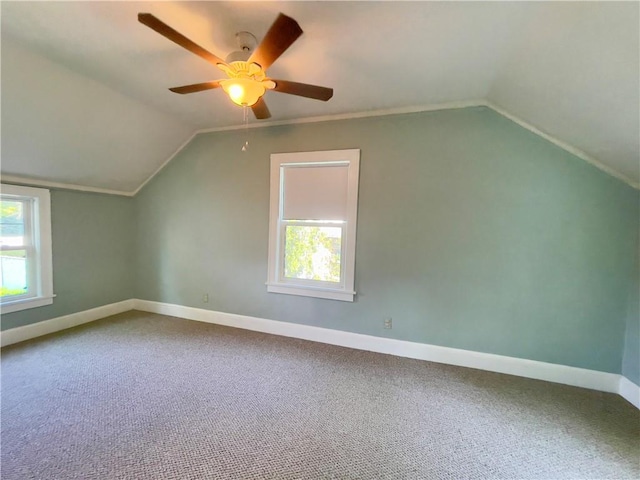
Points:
[284,31]
[176,37]
[260,109]
[196,87]
[303,90]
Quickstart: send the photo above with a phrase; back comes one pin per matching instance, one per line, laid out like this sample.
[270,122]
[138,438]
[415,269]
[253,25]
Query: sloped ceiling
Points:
[84,85]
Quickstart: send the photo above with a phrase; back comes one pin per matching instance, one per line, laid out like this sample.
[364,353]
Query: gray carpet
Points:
[142,396]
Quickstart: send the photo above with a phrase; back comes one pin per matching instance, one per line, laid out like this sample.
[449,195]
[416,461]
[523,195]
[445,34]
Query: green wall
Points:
[93,242]
[473,233]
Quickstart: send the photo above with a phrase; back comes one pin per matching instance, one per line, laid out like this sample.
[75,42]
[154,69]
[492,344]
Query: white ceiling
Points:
[84,85]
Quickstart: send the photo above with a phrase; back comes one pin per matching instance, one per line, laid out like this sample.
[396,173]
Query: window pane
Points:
[312,253]
[13,273]
[11,223]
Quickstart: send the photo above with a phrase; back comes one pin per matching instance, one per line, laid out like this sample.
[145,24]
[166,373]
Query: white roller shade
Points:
[315,192]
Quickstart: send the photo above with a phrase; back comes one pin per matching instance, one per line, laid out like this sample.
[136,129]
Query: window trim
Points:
[43,264]
[276,282]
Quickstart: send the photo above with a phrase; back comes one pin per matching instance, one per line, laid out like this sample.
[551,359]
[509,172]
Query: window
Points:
[312,223]
[25,248]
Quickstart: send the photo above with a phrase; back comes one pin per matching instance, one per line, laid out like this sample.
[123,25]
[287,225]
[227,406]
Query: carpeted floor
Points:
[142,396]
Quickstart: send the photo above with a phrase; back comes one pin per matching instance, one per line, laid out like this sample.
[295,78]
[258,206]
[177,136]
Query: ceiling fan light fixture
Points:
[243,91]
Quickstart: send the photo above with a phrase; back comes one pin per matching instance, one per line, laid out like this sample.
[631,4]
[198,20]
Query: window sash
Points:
[27,223]
[28,245]
[37,245]
[29,274]
[282,228]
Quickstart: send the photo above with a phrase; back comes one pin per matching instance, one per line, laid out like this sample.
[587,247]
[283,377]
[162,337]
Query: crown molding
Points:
[165,163]
[323,118]
[272,123]
[65,186]
[350,116]
[343,116]
[418,109]
[563,145]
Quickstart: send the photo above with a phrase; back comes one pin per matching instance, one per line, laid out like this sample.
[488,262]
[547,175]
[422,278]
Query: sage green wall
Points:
[93,242]
[473,233]
[631,357]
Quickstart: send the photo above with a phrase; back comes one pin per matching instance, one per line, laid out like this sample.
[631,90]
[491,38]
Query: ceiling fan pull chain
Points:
[245,114]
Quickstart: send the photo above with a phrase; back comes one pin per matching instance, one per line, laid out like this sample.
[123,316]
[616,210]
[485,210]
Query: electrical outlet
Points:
[388,323]
[205,298]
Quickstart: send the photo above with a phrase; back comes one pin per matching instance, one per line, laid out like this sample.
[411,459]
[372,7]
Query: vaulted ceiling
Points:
[85,97]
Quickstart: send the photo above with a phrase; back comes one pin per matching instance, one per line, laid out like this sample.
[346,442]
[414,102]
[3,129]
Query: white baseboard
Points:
[550,372]
[20,334]
[629,391]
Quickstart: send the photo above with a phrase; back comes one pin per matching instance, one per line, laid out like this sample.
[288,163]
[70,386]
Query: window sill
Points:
[25,303]
[316,292]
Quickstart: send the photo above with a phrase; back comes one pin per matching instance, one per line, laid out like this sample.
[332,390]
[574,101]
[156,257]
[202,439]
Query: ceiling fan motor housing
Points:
[247,43]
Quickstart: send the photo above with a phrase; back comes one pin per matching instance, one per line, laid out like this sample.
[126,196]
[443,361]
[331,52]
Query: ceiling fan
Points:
[247,81]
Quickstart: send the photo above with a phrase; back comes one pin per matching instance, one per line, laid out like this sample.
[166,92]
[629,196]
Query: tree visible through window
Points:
[313,253]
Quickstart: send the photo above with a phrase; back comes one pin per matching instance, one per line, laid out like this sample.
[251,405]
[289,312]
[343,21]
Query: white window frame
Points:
[276,282]
[39,256]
